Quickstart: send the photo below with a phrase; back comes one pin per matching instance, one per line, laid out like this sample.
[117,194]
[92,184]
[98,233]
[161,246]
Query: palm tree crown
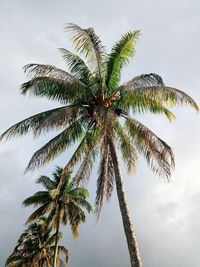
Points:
[64,205]
[35,247]
[94,101]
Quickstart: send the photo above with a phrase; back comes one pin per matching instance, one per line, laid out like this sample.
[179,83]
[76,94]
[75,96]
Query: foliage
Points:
[59,205]
[35,247]
[98,110]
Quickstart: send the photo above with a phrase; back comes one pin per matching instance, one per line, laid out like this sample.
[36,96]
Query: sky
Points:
[165,214]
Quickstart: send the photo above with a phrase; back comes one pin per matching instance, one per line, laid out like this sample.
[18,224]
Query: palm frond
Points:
[82,149]
[39,212]
[41,121]
[78,191]
[61,263]
[41,197]
[83,203]
[91,151]
[89,44]
[151,86]
[50,220]
[143,103]
[59,119]
[121,52]
[76,215]
[65,218]
[34,247]
[65,252]
[57,176]
[46,182]
[106,177]
[142,81]
[57,145]
[76,65]
[158,154]
[64,91]
[128,151]
[85,169]
[16,261]
[40,70]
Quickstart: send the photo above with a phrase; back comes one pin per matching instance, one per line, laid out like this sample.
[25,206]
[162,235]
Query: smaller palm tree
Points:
[35,247]
[62,204]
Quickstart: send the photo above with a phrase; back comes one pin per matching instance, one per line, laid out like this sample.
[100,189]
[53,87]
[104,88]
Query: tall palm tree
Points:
[61,206]
[98,112]
[35,247]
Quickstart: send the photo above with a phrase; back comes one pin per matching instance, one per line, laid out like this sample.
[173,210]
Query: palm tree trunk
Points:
[128,226]
[56,245]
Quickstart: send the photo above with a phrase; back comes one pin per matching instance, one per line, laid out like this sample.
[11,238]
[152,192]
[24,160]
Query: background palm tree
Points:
[61,206]
[35,247]
[98,112]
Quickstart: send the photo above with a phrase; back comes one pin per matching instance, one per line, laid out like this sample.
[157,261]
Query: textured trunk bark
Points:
[128,226]
[56,245]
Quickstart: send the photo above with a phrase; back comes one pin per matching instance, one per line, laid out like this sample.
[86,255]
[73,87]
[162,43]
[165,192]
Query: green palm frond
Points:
[57,145]
[83,203]
[89,44]
[79,191]
[64,91]
[76,65]
[40,197]
[46,182]
[39,212]
[142,104]
[163,94]
[121,52]
[58,172]
[158,154]
[65,218]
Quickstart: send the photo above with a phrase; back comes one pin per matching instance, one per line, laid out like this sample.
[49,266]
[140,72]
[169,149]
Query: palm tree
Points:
[98,113]
[62,206]
[35,247]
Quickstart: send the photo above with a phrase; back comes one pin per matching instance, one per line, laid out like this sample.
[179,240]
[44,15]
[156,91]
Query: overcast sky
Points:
[166,215]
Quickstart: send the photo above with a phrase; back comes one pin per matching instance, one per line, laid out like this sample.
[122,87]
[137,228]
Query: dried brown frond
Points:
[159,155]
[106,176]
